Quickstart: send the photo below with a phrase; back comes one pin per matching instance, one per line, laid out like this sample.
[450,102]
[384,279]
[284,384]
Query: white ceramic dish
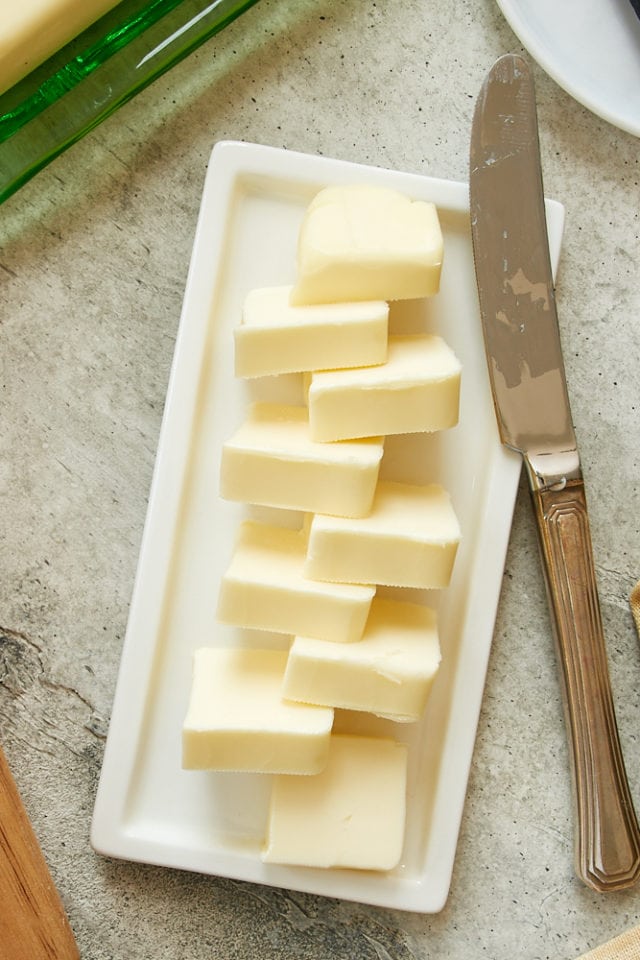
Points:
[592,50]
[147,808]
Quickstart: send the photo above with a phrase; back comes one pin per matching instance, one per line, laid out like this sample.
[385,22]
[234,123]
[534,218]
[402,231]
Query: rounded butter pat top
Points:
[362,242]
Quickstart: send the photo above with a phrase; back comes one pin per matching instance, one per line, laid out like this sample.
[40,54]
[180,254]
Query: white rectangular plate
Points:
[149,809]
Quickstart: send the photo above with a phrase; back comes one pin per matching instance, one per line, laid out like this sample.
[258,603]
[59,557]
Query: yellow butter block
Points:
[409,539]
[271,460]
[361,242]
[416,391]
[389,672]
[264,588]
[276,337]
[238,721]
[351,815]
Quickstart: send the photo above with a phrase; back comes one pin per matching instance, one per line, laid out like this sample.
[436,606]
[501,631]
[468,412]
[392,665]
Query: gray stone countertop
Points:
[94,253]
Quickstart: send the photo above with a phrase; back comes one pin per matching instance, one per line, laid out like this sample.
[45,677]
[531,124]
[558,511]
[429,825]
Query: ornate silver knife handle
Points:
[607,845]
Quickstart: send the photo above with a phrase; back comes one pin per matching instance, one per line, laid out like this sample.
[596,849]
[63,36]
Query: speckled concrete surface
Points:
[93,260]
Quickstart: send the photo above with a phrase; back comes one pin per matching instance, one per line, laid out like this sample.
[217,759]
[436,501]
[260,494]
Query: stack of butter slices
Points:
[338,800]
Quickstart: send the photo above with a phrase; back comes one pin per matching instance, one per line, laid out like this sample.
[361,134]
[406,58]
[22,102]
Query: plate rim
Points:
[516,17]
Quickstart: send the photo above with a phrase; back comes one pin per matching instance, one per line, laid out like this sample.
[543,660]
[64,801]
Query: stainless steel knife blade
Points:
[511,252]
[526,370]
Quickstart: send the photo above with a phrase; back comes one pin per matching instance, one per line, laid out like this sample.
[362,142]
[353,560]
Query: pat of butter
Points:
[264,588]
[237,719]
[272,461]
[409,539]
[276,337]
[416,390]
[32,30]
[351,815]
[388,673]
[362,242]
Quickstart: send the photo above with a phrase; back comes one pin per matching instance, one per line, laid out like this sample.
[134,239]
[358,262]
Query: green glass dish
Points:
[102,68]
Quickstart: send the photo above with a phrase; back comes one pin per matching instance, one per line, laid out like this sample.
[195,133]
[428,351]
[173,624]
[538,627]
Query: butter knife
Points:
[526,370]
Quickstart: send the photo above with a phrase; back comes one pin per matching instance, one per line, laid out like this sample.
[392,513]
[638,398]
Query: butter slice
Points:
[388,673]
[276,337]
[272,461]
[363,242]
[409,539]
[351,815]
[264,588]
[237,719]
[416,390]
[32,30]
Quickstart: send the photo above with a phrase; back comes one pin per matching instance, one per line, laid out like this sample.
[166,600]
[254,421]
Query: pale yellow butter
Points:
[362,242]
[409,539]
[237,719]
[389,672]
[276,337]
[351,815]
[416,390]
[272,461]
[264,588]
[32,30]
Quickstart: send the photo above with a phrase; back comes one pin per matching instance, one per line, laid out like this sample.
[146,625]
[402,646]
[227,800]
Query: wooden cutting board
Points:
[33,922]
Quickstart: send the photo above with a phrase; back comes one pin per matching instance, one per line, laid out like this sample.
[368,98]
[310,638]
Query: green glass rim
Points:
[101,69]
[113,37]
